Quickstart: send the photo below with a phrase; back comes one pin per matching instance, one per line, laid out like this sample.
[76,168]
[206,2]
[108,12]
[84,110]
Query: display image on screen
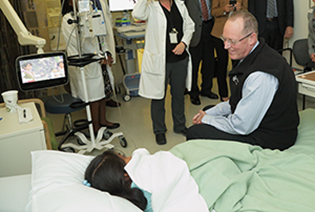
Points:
[43,70]
[35,70]
[121,5]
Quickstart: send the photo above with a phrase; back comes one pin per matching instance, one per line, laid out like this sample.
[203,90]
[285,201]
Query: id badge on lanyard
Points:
[173,36]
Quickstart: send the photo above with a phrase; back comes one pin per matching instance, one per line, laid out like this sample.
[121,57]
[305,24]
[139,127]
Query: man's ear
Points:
[253,38]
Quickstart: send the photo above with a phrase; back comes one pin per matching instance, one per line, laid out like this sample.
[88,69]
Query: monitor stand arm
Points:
[24,36]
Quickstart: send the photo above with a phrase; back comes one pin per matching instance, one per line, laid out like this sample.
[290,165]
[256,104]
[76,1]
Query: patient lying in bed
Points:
[159,182]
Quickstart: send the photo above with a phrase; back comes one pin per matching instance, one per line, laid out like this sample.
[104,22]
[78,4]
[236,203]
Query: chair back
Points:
[300,52]
[47,124]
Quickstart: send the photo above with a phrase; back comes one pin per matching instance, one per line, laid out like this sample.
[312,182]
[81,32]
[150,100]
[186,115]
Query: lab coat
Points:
[93,71]
[152,81]
[109,38]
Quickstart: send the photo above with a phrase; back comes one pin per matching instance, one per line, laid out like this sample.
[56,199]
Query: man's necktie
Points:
[204,10]
[271,9]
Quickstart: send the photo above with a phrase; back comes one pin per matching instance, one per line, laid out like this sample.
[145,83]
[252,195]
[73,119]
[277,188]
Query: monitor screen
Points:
[121,5]
[39,71]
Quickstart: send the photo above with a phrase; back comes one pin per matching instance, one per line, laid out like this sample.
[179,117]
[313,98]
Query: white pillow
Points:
[57,186]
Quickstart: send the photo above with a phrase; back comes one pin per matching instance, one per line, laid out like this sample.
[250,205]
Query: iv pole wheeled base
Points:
[86,145]
[81,60]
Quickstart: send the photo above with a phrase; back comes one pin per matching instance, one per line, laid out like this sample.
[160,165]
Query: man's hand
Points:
[313,57]
[228,8]
[288,32]
[238,6]
[198,117]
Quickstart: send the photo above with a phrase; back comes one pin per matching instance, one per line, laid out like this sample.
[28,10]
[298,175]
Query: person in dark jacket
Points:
[275,20]
[262,109]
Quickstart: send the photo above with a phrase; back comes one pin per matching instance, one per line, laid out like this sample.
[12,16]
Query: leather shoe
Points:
[211,95]
[160,139]
[183,132]
[195,100]
[112,103]
[113,126]
[186,91]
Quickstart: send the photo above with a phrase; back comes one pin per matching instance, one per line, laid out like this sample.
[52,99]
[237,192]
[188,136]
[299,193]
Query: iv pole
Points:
[94,143]
[26,38]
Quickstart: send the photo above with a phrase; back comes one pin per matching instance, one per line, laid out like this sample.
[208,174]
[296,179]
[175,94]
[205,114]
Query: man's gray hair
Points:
[249,20]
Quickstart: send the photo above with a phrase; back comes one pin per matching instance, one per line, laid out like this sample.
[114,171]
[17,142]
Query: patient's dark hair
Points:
[106,173]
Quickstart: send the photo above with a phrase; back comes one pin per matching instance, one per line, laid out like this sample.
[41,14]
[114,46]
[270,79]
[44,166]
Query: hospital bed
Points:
[232,176]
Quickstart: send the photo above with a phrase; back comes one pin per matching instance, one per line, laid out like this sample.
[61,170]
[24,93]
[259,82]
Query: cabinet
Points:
[306,83]
[18,140]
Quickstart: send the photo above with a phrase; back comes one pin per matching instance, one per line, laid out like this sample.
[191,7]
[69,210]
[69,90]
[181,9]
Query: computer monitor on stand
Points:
[121,5]
[38,71]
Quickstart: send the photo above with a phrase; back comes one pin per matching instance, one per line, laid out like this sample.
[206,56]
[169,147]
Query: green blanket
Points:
[233,176]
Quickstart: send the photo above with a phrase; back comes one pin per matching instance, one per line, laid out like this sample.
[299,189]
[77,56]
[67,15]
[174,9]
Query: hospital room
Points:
[95,117]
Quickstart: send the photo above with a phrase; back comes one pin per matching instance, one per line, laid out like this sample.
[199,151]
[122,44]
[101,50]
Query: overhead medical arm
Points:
[24,36]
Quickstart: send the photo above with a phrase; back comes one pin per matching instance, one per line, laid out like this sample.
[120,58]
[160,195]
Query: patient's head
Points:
[106,173]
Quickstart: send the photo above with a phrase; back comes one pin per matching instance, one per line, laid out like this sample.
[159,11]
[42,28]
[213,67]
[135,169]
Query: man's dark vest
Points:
[278,129]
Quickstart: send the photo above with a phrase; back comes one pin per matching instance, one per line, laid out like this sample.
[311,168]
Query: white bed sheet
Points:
[14,192]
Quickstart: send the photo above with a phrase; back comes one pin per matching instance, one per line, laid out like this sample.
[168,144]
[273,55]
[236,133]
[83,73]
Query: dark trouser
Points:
[221,67]
[310,65]
[272,34]
[176,74]
[203,52]
[205,131]
[264,139]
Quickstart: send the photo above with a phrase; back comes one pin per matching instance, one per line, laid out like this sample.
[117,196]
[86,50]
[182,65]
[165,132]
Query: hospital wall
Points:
[50,30]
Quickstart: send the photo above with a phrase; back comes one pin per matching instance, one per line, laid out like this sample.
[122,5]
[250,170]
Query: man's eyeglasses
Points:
[233,42]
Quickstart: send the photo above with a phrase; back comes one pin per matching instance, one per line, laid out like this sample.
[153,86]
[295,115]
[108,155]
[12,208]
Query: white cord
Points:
[69,39]
[55,98]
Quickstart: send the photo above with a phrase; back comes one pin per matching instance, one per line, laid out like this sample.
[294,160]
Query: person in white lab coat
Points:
[108,39]
[166,60]
[93,72]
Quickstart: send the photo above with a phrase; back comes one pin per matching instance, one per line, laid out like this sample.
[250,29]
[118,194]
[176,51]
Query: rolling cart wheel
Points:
[107,134]
[126,98]
[123,141]
[68,149]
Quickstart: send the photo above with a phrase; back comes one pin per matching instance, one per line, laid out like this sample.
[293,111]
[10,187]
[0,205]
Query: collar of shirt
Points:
[257,43]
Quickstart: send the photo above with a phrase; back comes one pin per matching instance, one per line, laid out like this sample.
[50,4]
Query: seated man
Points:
[262,109]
